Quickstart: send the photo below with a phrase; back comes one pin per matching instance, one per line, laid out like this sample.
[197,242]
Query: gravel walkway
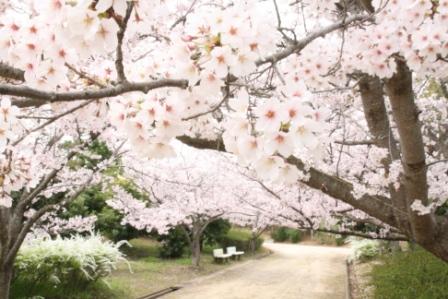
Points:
[292,272]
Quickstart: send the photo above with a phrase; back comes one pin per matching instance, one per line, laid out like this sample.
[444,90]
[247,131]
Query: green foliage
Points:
[96,152]
[433,88]
[365,249]
[284,234]
[96,290]
[173,243]
[294,235]
[141,248]
[48,266]
[241,238]
[340,240]
[216,231]
[279,234]
[93,202]
[329,238]
[410,275]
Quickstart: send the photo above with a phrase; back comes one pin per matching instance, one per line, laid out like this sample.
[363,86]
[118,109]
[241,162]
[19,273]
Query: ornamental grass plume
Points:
[71,262]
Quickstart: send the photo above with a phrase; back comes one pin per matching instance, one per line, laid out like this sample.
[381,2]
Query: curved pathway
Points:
[292,272]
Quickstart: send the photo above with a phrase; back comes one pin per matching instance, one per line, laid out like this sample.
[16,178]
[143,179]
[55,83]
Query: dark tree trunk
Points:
[6,273]
[252,245]
[196,251]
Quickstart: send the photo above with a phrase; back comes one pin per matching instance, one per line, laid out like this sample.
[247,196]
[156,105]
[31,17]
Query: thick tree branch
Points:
[376,206]
[10,72]
[389,237]
[405,113]
[36,97]
[375,112]
[119,64]
[356,142]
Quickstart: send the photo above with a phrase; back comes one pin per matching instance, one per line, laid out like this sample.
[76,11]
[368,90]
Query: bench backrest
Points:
[218,252]
[231,249]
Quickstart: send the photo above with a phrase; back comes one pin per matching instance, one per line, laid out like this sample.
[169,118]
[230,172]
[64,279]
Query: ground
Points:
[292,271]
[360,279]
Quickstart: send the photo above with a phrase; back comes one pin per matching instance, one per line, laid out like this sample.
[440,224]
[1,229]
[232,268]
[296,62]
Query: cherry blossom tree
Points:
[324,93]
[41,173]
[187,192]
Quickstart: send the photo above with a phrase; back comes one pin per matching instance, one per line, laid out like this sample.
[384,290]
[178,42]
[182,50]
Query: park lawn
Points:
[415,274]
[151,274]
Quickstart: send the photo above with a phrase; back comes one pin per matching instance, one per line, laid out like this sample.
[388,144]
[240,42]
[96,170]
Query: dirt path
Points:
[292,272]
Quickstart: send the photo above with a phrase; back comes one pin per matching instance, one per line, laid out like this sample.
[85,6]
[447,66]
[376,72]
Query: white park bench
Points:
[219,255]
[232,250]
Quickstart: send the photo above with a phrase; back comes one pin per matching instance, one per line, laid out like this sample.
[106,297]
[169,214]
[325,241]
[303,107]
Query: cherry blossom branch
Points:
[279,23]
[36,97]
[212,109]
[37,215]
[10,72]
[120,37]
[274,194]
[53,119]
[84,75]
[436,162]
[183,18]
[375,205]
[355,142]
[299,45]
[28,198]
[47,208]
[390,237]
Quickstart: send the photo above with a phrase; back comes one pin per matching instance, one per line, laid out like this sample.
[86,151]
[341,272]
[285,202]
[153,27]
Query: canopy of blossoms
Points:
[276,83]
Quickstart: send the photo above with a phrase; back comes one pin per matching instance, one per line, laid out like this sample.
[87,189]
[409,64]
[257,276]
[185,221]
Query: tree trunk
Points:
[375,112]
[252,245]
[405,113]
[196,249]
[6,273]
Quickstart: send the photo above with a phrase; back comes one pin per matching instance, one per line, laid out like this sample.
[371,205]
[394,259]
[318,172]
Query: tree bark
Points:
[253,245]
[196,251]
[405,113]
[375,113]
[194,239]
[6,273]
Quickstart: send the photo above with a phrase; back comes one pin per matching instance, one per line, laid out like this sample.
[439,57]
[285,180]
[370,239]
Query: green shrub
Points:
[109,221]
[284,234]
[363,250]
[340,240]
[173,244]
[279,234]
[71,264]
[215,231]
[410,275]
[141,248]
[95,290]
[241,238]
[294,235]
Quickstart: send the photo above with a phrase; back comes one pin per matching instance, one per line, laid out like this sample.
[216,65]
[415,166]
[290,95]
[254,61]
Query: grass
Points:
[410,275]
[97,290]
[141,248]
